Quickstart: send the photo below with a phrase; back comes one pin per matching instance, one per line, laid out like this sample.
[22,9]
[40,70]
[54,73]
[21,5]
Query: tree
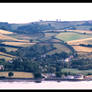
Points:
[58,74]
[90,29]
[37,75]
[10,74]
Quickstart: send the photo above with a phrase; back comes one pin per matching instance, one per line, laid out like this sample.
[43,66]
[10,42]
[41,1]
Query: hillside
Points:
[45,45]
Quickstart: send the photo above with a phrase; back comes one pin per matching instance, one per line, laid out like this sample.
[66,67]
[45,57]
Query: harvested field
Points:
[83,49]
[81,41]
[18,43]
[81,31]
[9,38]
[18,74]
[5,32]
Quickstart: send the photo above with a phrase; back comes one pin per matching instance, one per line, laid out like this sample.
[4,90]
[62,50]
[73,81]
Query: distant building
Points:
[49,75]
[10,61]
[1,67]
[79,76]
[69,77]
[68,59]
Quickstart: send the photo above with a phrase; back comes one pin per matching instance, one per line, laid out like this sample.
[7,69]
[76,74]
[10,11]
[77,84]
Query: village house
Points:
[1,67]
[68,59]
[88,77]
[79,76]
[69,77]
[48,75]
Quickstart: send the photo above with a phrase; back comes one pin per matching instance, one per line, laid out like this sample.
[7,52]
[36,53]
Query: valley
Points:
[43,47]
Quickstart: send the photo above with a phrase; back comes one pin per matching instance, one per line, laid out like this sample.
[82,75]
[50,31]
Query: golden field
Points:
[24,44]
[18,74]
[83,49]
[81,41]
[5,32]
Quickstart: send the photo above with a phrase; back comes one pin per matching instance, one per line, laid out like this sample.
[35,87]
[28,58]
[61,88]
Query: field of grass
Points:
[76,71]
[18,75]
[69,36]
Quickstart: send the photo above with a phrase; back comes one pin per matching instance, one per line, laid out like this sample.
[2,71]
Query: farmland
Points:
[18,75]
[76,71]
[77,37]
[7,57]
[70,36]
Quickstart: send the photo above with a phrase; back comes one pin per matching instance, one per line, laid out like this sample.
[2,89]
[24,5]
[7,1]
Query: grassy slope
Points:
[69,36]
[76,71]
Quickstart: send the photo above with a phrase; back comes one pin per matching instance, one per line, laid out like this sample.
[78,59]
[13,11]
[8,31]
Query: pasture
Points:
[70,36]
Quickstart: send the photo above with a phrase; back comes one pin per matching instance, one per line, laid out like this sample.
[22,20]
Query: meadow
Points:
[76,71]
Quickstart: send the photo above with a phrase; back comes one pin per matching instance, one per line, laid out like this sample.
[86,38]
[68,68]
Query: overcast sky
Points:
[28,12]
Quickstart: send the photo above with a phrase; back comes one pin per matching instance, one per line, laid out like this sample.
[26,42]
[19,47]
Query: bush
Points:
[10,74]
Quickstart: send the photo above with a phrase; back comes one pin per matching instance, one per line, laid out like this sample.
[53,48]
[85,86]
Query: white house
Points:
[1,67]
[69,77]
[79,76]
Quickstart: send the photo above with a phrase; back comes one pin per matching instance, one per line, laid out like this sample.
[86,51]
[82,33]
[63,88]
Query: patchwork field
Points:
[12,39]
[77,37]
[5,56]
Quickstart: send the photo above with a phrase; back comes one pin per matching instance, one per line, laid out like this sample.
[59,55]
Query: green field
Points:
[69,36]
[76,71]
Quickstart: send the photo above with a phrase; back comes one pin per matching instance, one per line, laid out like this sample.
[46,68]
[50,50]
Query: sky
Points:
[30,12]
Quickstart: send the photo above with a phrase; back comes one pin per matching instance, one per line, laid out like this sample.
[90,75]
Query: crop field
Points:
[81,31]
[83,49]
[5,32]
[81,41]
[18,74]
[21,44]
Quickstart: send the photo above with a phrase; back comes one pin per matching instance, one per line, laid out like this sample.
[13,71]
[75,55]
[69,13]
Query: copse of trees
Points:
[2,49]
